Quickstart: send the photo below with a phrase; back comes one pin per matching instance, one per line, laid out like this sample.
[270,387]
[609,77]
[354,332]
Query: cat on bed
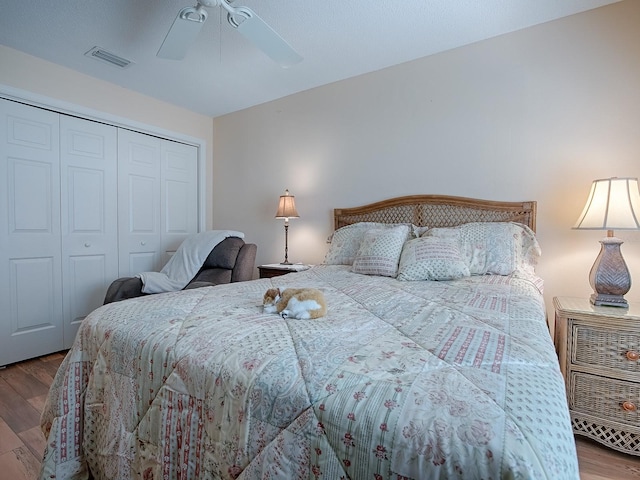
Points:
[301,303]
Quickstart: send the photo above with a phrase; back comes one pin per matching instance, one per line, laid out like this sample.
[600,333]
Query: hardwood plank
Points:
[598,462]
[15,411]
[52,362]
[19,464]
[590,476]
[34,440]
[24,382]
[30,461]
[8,439]
[55,357]
[38,402]
[12,468]
[39,370]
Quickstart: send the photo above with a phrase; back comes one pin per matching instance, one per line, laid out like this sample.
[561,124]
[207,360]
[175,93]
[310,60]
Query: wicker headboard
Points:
[437,211]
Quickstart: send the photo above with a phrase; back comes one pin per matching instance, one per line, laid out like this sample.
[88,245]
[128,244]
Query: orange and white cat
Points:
[301,303]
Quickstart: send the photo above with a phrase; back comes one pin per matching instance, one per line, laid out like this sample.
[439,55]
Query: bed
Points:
[443,368]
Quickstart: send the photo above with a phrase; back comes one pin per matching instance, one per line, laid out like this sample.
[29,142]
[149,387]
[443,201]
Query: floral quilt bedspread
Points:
[401,380]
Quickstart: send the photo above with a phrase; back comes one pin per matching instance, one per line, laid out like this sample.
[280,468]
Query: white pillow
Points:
[431,258]
[380,251]
[346,241]
[497,248]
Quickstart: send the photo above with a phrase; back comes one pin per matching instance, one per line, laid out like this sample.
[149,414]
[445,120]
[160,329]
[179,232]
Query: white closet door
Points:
[89,217]
[179,195]
[30,247]
[139,203]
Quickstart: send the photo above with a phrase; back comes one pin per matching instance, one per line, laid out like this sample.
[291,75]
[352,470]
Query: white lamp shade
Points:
[613,204]
[287,206]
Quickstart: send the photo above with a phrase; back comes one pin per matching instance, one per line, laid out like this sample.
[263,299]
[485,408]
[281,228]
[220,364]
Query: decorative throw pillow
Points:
[431,258]
[529,250]
[380,251]
[346,241]
[492,247]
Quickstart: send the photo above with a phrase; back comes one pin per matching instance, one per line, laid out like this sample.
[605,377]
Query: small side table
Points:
[599,352]
[277,269]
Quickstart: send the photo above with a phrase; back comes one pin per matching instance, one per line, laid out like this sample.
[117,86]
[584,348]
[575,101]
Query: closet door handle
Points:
[87,244]
[143,243]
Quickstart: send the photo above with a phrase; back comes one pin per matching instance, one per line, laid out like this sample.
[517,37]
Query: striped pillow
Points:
[380,251]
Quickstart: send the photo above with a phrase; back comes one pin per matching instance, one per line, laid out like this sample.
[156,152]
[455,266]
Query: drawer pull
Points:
[633,356]
[629,407]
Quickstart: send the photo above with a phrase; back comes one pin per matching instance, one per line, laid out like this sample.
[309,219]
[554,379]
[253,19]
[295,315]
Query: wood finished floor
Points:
[24,386]
[23,390]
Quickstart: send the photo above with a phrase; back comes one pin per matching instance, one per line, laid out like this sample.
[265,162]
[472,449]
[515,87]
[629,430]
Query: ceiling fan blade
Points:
[264,37]
[183,32]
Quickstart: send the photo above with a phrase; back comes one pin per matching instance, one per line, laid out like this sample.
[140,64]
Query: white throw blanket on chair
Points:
[185,263]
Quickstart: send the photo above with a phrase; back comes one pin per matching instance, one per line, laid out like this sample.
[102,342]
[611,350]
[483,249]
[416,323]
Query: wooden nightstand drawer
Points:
[605,347]
[606,398]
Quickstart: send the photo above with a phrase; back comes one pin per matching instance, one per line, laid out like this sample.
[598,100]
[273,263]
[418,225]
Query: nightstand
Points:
[599,353]
[277,269]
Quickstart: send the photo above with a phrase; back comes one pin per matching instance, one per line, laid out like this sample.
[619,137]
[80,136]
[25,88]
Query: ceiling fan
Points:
[190,20]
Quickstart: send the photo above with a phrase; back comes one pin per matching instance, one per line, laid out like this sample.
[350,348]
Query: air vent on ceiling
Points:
[108,57]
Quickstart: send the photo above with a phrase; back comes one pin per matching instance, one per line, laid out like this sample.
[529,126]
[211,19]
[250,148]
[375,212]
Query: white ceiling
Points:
[223,72]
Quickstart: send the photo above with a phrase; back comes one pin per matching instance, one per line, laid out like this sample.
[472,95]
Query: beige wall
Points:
[99,99]
[533,115]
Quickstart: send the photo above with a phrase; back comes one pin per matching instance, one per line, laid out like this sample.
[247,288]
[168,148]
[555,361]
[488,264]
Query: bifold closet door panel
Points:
[89,206]
[81,204]
[30,243]
[157,200]
[179,194]
[139,203]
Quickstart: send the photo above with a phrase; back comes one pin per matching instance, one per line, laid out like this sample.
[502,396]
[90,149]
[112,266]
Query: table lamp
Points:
[613,204]
[286,210]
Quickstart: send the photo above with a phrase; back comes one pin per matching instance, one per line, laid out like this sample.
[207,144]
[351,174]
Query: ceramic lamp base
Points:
[609,276]
[608,300]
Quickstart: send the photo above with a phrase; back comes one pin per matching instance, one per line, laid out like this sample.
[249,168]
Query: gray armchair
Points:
[231,260]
